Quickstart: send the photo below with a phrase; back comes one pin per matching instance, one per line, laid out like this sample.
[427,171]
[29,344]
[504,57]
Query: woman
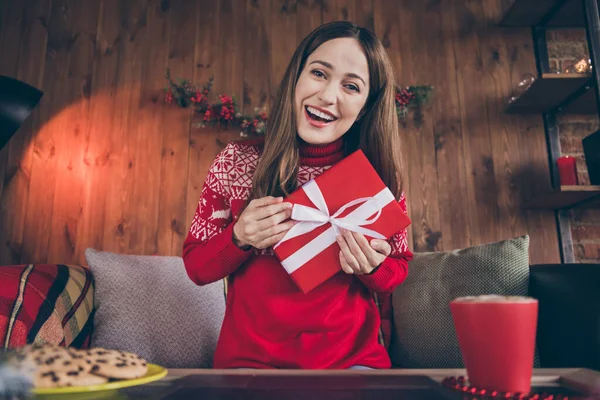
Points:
[336,96]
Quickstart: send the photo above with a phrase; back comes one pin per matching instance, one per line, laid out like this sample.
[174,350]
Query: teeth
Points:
[320,114]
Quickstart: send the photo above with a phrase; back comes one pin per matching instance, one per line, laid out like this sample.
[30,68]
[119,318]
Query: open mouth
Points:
[318,115]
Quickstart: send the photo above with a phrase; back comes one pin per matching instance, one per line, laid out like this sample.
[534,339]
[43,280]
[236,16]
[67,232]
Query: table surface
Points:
[329,384]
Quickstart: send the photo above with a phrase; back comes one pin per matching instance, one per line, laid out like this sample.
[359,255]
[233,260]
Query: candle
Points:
[567,170]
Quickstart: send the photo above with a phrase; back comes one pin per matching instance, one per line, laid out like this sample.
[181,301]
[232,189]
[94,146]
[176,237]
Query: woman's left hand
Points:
[358,256]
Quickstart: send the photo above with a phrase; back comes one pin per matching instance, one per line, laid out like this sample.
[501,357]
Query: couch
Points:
[148,305]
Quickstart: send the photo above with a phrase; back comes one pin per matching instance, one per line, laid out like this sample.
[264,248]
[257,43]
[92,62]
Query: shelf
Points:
[551,90]
[535,12]
[584,104]
[566,197]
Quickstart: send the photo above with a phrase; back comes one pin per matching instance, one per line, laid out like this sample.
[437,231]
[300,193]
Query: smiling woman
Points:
[331,91]
[340,82]
[337,96]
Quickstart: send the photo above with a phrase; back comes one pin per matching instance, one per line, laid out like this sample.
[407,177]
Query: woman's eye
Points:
[317,73]
[353,87]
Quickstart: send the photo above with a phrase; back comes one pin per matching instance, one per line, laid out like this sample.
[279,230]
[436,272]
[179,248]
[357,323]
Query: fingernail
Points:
[373,243]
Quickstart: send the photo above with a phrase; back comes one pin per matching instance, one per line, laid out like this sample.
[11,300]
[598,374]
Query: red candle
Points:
[567,170]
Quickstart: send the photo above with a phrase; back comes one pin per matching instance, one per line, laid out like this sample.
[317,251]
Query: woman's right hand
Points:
[263,223]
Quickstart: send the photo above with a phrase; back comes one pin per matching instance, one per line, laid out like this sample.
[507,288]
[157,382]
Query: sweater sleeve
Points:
[209,253]
[394,269]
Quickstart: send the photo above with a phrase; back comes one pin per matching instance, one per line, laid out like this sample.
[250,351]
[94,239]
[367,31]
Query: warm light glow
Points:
[107,172]
[85,170]
[90,134]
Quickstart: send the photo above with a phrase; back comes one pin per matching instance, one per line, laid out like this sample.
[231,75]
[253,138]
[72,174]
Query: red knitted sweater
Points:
[269,323]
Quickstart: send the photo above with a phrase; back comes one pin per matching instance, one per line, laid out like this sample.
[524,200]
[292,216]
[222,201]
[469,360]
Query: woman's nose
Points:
[327,94]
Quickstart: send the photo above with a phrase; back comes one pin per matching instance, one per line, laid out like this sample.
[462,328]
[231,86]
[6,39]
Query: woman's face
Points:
[331,91]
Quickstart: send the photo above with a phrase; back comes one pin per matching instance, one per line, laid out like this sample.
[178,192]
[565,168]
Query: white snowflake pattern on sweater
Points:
[230,178]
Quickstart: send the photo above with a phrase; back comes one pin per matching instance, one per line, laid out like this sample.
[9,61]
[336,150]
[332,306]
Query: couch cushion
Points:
[423,334]
[45,303]
[149,306]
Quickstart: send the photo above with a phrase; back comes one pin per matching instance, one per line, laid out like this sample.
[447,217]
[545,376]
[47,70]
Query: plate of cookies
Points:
[59,370]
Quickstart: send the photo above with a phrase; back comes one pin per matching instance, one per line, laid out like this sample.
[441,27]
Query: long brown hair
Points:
[375,132]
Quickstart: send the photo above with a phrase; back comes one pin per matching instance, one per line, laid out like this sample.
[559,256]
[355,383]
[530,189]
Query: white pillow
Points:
[149,306]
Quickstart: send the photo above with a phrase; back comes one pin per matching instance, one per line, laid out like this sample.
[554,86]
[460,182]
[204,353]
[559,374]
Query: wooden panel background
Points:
[103,163]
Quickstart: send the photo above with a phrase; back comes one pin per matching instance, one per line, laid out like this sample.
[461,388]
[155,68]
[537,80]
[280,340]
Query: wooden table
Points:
[397,384]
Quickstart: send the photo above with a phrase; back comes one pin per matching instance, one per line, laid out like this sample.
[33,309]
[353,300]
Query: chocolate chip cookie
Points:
[67,377]
[116,364]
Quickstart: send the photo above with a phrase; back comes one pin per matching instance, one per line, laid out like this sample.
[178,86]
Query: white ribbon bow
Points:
[310,218]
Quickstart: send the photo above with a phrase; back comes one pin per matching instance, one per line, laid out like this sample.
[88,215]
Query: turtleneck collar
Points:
[320,156]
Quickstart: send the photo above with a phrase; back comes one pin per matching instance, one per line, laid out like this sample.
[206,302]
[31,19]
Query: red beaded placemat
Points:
[461,384]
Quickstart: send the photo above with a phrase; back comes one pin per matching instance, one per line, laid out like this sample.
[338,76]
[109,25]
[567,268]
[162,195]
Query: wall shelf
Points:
[551,13]
[564,198]
[584,104]
[551,90]
[554,94]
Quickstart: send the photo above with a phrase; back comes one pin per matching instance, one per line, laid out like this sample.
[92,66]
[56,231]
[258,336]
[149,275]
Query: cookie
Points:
[64,378]
[58,359]
[117,364]
[39,350]
[39,354]
[49,358]
[55,366]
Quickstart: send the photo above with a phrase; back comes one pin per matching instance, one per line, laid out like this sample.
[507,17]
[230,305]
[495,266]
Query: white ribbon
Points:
[310,218]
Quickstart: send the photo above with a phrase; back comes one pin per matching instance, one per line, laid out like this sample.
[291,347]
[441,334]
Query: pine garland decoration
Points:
[225,113]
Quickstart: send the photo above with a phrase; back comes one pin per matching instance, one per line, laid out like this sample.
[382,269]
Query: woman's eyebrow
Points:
[328,65]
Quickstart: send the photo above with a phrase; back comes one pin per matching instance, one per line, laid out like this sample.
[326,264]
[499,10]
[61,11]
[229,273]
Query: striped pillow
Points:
[46,303]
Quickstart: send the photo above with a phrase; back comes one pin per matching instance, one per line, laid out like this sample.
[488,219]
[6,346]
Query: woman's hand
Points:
[261,224]
[358,256]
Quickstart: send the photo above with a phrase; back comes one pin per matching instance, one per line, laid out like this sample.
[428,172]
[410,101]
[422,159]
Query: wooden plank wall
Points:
[103,163]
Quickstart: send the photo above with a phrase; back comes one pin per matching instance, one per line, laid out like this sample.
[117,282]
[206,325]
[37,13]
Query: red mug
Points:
[496,336]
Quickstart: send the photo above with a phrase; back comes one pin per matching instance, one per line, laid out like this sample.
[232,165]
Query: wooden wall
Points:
[103,163]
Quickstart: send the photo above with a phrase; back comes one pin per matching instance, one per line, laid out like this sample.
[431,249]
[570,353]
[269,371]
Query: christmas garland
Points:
[224,112]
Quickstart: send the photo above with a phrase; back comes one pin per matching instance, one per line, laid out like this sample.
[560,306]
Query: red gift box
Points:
[349,195]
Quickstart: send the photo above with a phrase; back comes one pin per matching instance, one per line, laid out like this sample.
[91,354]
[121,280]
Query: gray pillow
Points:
[149,306]
[423,330]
